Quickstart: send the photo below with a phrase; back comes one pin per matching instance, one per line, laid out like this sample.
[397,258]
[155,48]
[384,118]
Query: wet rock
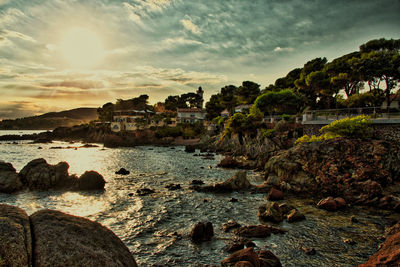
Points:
[268,259]
[130,194]
[190,149]
[9,180]
[122,171]
[250,244]
[273,181]
[42,140]
[353,219]
[328,204]
[91,180]
[229,162]
[295,216]
[39,175]
[285,208]
[144,191]
[173,187]
[197,182]
[235,183]
[309,251]
[15,237]
[340,202]
[244,255]
[235,247]
[275,194]
[65,240]
[349,241]
[226,227]
[254,231]
[202,232]
[270,212]
[232,199]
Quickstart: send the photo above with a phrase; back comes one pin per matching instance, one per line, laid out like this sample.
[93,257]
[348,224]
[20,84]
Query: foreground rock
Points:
[15,237]
[91,180]
[235,183]
[389,252]
[248,257]
[9,179]
[331,204]
[65,240]
[356,170]
[202,232]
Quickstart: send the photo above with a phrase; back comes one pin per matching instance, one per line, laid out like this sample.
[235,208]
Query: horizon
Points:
[61,55]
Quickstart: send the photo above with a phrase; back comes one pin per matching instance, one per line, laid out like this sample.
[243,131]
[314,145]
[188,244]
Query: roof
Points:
[190,110]
[225,111]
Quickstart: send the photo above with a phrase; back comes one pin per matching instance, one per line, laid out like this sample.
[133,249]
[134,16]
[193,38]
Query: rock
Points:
[39,175]
[190,149]
[122,171]
[244,255]
[309,251]
[235,183]
[144,191]
[273,181]
[268,259]
[270,212]
[9,180]
[340,202]
[275,194]
[349,241]
[353,219]
[254,231]
[197,182]
[285,208]
[229,162]
[226,227]
[65,240]
[235,247]
[232,199]
[172,187]
[202,232]
[250,244]
[15,237]
[328,203]
[295,216]
[91,180]
[130,194]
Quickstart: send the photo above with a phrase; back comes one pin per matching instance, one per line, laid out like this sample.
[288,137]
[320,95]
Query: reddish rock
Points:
[229,162]
[328,203]
[244,255]
[257,231]
[202,232]
[275,194]
[341,203]
[235,247]
[91,180]
[268,259]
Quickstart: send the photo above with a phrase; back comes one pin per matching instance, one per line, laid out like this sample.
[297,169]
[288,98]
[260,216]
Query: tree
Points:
[229,97]
[173,102]
[214,107]
[288,80]
[380,45]
[105,113]
[285,101]
[136,103]
[248,92]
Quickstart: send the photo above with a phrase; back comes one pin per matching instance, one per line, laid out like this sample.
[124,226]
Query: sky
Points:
[63,54]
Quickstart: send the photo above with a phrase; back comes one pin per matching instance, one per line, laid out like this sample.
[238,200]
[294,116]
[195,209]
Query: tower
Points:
[200,93]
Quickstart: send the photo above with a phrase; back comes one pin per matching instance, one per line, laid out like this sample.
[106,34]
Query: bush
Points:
[267,133]
[282,126]
[355,127]
[169,132]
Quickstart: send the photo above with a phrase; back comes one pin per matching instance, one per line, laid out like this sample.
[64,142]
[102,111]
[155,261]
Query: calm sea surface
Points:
[146,224]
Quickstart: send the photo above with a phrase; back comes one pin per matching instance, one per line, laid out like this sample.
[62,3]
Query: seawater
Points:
[156,227]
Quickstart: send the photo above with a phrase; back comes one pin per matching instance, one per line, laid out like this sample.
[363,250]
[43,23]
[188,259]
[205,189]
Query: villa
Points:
[190,115]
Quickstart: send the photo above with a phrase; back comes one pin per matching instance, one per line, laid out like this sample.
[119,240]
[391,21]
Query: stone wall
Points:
[389,132]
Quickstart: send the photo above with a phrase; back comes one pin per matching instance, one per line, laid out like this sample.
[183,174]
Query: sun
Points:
[81,48]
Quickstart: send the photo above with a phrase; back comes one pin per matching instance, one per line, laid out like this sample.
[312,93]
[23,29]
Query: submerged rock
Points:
[173,187]
[15,237]
[91,180]
[144,191]
[65,240]
[122,171]
[202,232]
[226,227]
[9,180]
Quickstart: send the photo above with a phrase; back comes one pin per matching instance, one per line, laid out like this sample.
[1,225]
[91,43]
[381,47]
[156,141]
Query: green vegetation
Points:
[285,100]
[189,100]
[355,127]
[187,130]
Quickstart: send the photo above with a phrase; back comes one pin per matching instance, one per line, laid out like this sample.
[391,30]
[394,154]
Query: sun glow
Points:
[81,48]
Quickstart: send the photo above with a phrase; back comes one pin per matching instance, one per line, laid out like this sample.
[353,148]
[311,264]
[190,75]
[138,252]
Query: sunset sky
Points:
[63,54]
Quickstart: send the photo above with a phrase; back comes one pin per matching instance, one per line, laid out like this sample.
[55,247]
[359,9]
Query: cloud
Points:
[139,9]
[283,49]
[172,42]
[18,35]
[75,84]
[20,109]
[190,26]
[10,16]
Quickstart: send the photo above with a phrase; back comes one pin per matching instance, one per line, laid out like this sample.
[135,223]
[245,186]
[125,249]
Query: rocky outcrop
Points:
[9,179]
[356,170]
[39,175]
[91,180]
[235,183]
[389,252]
[229,162]
[249,258]
[202,232]
[15,237]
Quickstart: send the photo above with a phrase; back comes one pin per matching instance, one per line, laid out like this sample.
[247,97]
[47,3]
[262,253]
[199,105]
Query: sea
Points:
[156,227]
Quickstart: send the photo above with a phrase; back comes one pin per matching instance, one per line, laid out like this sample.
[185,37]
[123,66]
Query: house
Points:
[225,113]
[129,120]
[242,108]
[190,115]
[394,102]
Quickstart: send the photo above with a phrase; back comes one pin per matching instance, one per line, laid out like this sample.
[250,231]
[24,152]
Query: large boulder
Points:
[91,180]
[40,175]
[202,232]
[389,252]
[65,240]
[15,237]
[9,179]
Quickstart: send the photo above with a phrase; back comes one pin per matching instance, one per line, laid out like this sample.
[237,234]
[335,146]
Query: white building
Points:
[190,115]
[128,120]
[242,108]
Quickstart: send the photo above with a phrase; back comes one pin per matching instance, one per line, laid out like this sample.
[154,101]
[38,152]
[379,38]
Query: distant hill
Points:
[51,120]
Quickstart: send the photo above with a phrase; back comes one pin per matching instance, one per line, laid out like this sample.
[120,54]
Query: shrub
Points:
[267,133]
[169,132]
[282,126]
[355,127]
